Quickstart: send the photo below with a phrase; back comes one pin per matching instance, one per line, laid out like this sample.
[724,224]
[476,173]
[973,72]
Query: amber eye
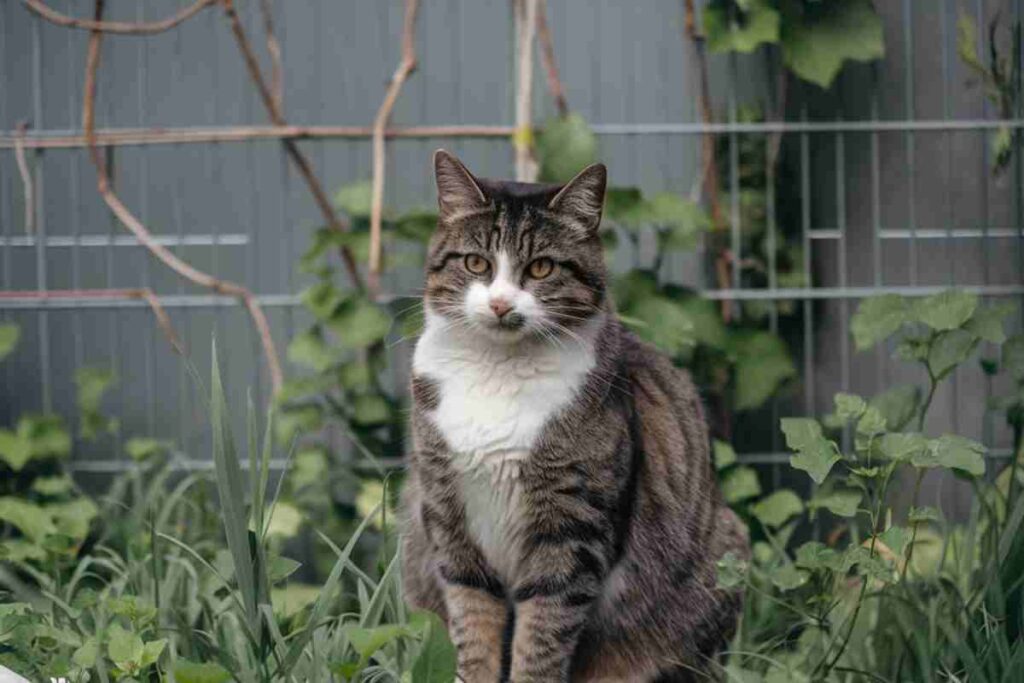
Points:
[541,268]
[477,264]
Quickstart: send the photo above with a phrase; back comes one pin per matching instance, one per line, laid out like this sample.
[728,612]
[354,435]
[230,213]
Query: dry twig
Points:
[123,27]
[303,165]
[137,228]
[526,28]
[405,67]
[143,294]
[547,57]
[274,50]
[26,179]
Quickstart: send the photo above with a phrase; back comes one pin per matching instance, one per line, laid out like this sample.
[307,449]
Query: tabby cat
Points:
[561,511]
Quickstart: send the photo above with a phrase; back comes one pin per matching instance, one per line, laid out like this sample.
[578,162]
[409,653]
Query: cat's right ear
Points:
[457,189]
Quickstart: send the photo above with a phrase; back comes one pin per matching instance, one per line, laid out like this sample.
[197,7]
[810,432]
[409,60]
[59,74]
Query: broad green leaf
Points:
[565,147]
[370,409]
[815,454]
[877,318]
[898,405]
[356,376]
[663,322]
[869,426]
[322,299]
[778,508]
[849,406]
[818,37]
[1013,356]
[633,287]
[787,577]
[987,322]
[739,484]
[416,226]
[948,350]
[621,203]
[708,328]
[895,539]
[901,447]
[360,323]
[309,349]
[285,520]
[946,310]
[124,648]
[731,29]
[280,568]
[132,607]
[924,514]
[9,334]
[194,672]
[53,486]
[956,452]
[15,449]
[85,656]
[841,502]
[762,365]
[140,449]
[815,555]
[367,641]
[356,199]
[724,454]
[294,420]
[684,220]
[310,467]
[30,519]
[732,570]
[436,660]
[152,650]
[74,517]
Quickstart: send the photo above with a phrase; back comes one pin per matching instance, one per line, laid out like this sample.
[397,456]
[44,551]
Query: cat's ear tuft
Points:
[582,198]
[457,189]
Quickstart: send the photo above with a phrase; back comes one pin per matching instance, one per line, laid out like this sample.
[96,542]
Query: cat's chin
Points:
[503,334]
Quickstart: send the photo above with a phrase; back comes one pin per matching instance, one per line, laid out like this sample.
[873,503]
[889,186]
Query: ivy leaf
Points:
[322,299]
[897,405]
[708,328]
[621,202]
[125,648]
[30,519]
[151,651]
[956,452]
[370,409]
[356,199]
[877,318]
[901,447]
[787,577]
[724,454]
[193,672]
[740,484]
[436,660]
[74,517]
[849,406]
[360,323]
[142,448]
[564,147]
[815,454]
[818,37]
[15,450]
[663,322]
[775,510]
[870,425]
[685,220]
[309,349]
[744,30]
[295,420]
[946,310]
[895,539]
[85,656]
[987,322]
[815,555]
[53,486]
[948,350]
[731,570]
[9,334]
[841,502]
[1013,356]
[92,383]
[762,365]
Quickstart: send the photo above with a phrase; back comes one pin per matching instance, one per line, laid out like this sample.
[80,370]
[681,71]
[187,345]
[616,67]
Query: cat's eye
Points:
[477,264]
[540,268]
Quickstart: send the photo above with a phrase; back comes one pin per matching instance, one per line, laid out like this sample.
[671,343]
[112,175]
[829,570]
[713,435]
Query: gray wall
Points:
[622,63]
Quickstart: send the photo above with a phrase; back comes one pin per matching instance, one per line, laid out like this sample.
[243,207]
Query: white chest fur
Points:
[494,402]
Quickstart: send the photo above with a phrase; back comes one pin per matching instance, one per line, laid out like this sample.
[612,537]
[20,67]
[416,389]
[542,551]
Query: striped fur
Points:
[593,557]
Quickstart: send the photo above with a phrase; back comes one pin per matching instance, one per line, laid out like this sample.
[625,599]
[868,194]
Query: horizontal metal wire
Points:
[71,138]
[926,233]
[227,240]
[284,300]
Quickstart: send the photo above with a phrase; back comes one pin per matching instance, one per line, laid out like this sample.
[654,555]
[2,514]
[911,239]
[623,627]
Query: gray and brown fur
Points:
[625,521]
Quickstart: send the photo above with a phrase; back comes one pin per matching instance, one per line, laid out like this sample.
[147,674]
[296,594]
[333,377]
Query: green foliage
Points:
[564,148]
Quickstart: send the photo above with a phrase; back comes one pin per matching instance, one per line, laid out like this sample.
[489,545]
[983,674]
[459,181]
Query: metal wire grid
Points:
[42,246]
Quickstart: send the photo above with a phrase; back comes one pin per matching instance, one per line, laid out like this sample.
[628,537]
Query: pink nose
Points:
[500,307]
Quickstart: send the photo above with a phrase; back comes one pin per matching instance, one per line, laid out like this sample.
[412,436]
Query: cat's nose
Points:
[500,307]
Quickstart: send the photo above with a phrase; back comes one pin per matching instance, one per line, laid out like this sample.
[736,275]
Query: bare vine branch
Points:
[405,67]
[143,294]
[122,27]
[302,163]
[547,57]
[526,29]
[274,50]
[26,178]
[137,228]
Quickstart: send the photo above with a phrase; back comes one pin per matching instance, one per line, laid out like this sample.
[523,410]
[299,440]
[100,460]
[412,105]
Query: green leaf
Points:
[740,484]
[841,502]
[309,349]
[987,322]
[724,454]
[9,334]
[360,323]
[53,486]
[815,454]
[1013,356]
[322,299]
[732,29]
[818,37]
[895,539]
[815,555]
[901,447]
[877,318]
[787,577]
[956,452]
[564,147]
[633,287]
[92,383]
[621,203]
[294,420]
[924,514]
[436,660]
[285,521]
[152,651]
[85,656]
[684,220]
[849,406]
[708,328]
[663,322]
[946,310]
[15,450]
[370,409]
[193,672]
[355,199]
[30,519]
[140,449]
[898,405]
[732,570]
[762,365]
[870,425]
[367,641]
[74,517]
[948,350]
[416,226]
[778,508]
[280,568]
[125,648]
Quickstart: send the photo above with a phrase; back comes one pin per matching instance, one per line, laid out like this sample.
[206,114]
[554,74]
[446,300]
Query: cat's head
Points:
[515,260]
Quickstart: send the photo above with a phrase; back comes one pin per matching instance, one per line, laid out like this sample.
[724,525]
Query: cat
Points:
[561,512]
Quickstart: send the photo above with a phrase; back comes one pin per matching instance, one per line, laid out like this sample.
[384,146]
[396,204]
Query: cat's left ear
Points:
[582,198]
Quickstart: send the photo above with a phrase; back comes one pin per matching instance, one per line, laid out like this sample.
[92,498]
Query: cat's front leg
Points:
[476,626]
